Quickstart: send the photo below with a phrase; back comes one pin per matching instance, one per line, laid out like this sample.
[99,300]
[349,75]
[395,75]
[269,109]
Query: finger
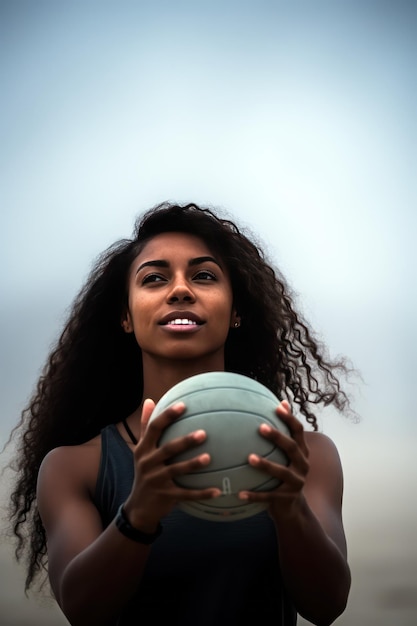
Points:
[148,407]
[288,480]
[164,455]
[299,466]
[285,406]
[294,449]
[189,466]
[168,415]
[296,428]
[265,496]
[156,426]
[198,494]
[171,449]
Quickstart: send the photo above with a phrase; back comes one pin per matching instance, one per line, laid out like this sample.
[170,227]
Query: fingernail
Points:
[265,428]
[199,435]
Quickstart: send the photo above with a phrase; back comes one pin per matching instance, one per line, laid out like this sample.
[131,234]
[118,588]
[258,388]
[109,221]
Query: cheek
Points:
[139,313]
[142,332]
[225,311]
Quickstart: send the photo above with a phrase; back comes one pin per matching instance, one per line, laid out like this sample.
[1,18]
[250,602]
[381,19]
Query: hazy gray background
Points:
[297,118]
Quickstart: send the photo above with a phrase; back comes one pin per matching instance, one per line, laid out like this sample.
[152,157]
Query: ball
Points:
[230,408]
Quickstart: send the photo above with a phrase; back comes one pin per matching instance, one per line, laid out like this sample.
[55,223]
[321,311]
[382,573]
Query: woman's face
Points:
[180,303]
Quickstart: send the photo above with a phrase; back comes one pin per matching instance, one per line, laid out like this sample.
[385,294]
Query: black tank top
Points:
[199,573]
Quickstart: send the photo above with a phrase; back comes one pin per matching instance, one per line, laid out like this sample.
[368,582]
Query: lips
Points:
[181,318]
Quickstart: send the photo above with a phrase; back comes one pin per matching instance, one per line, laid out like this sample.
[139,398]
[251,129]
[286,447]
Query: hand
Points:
[155,492]
[288,495]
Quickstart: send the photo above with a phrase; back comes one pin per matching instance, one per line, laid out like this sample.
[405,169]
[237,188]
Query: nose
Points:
[181,292]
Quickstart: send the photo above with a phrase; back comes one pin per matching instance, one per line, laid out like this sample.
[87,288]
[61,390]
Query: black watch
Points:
[126,528]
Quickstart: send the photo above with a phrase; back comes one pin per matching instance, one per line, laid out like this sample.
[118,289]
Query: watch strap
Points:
[126,528]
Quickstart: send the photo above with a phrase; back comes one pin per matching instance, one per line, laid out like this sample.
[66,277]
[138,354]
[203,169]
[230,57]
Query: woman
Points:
[189,293]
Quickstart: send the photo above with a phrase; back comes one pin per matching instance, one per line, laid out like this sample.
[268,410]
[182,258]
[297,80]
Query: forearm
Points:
[97,584]
[314,569]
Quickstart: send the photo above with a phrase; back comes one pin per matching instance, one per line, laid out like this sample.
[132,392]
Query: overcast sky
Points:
[297,118]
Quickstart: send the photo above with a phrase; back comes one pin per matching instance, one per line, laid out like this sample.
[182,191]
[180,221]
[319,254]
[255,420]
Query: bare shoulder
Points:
[322,448]
[75,466]
[325,463]
[65,489]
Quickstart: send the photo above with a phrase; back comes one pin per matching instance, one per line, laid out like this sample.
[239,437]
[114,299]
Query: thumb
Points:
[148,407]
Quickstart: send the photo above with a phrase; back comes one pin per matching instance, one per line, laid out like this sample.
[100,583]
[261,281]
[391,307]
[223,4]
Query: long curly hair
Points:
[92,376]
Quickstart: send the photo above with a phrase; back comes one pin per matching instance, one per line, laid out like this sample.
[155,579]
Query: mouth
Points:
[181,318]
[180,322]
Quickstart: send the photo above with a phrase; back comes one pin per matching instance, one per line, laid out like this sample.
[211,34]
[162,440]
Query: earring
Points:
[236,324]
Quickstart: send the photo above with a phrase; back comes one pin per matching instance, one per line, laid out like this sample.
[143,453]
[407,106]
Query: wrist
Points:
[145,534]
[139,518]
[291,514]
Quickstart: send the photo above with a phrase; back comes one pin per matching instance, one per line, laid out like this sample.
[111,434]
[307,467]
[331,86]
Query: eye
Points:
[204,275]
[152,278]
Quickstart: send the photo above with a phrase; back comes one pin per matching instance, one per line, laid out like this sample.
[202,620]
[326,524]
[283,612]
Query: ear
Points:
[126,323]
[234,320]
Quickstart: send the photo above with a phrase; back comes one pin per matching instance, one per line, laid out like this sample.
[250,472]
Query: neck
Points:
[159,377]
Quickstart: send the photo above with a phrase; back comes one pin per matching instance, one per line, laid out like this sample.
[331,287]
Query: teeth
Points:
[183,322]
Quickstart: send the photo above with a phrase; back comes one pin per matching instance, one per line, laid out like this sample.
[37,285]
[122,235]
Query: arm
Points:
[307,512]
[312,542]
[93,573]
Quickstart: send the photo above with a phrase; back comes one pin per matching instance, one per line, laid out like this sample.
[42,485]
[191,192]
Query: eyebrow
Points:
[191,263]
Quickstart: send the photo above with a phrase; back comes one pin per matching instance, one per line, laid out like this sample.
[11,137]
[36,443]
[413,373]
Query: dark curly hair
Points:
[91,376]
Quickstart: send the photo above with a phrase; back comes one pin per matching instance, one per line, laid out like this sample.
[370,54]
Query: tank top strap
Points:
[115,475]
